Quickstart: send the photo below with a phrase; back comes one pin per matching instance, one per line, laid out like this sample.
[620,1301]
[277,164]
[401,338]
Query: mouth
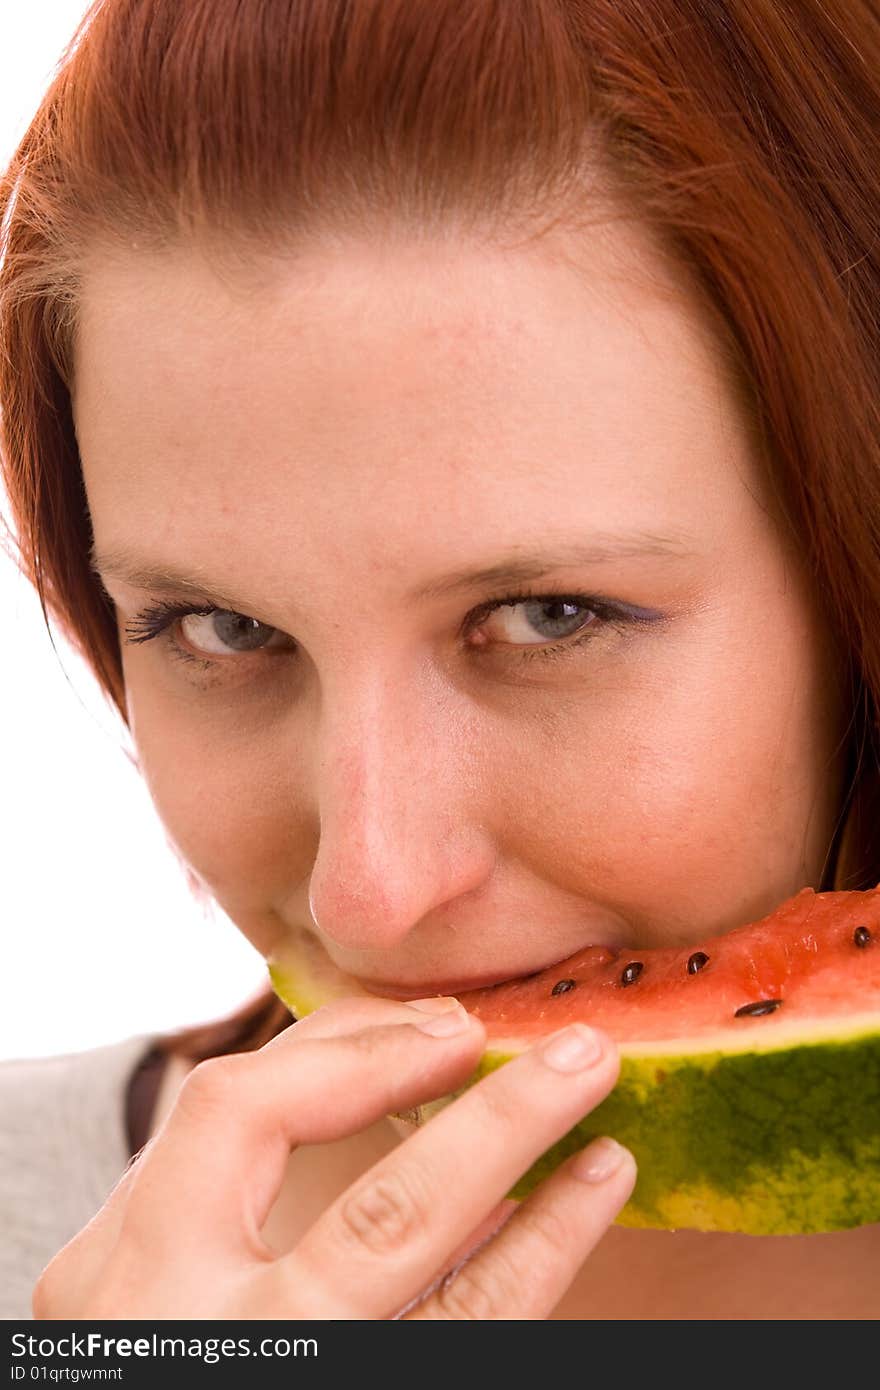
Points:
[423,990]
[305,975]
[387,989]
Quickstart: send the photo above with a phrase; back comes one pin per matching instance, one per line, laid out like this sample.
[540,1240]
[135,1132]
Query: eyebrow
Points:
[533,563]
[135,570]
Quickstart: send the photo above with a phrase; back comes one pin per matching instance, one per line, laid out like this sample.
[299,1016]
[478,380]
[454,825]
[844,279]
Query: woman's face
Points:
[353,458]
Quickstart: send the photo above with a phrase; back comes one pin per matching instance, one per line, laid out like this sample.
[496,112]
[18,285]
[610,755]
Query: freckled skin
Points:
[367,418]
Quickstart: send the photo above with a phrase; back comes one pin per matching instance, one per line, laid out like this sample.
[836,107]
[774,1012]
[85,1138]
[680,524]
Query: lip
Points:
[424,990]
[392,990]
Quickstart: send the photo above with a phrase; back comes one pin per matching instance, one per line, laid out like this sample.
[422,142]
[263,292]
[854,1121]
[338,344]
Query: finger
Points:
[89,1248]
[237,1118]
[392,1231]
[523,1272]
[359,1011]
[479,1237]
[354,1012]
[83,1258]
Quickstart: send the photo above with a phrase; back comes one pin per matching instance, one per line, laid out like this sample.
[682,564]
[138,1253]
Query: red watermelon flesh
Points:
[817,958]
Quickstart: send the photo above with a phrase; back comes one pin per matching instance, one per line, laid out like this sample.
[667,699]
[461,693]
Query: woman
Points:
[450,432]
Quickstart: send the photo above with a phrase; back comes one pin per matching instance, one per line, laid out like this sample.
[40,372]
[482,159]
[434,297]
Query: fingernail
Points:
[573,1049]
[437,1004]
[445,1025]
[598,1160]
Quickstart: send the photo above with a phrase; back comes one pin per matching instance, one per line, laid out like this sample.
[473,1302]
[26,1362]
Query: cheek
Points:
[687,792]
[232,806]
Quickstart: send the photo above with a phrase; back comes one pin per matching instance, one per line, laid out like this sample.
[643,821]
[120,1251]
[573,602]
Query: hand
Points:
[179,1236]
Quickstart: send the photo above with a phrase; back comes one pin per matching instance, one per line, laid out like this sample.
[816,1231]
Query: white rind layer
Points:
[747,1036]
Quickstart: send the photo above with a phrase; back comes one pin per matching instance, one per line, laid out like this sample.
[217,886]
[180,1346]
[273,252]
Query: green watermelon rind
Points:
[737,1142]
[775,1136]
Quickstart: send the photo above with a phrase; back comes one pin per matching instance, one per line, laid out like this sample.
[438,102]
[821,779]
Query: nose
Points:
[399,836]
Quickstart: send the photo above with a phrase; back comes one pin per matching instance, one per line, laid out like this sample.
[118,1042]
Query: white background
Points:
[101,938]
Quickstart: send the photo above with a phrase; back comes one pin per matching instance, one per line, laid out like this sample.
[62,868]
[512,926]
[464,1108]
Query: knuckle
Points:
[335,1012]
[476,1293]
[353,1012]
[384,1214]
[214,1085]
[375,1039]
[500,1100]
[548,1233]
[351,1006]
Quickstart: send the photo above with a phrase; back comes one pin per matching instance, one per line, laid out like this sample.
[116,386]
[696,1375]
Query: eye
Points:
[526,620]
[212,632]
[550,627]
[223,633]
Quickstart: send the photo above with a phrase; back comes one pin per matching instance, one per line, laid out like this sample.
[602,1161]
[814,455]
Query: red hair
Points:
[742,133]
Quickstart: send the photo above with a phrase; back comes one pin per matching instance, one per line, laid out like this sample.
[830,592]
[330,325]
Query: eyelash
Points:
[156,620]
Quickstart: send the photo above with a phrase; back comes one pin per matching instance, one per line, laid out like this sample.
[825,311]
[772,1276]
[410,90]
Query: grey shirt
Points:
[63,1148]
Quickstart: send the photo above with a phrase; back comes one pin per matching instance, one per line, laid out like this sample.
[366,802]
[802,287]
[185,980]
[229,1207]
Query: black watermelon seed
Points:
[861,936]
[632,972]
[697,961]
[563,986]
[763,1006]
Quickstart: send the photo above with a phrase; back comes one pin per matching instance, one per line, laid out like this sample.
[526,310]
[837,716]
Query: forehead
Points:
[608,280]
[398,375]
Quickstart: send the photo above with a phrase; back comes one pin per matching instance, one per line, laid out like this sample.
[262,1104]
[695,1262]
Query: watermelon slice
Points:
[749,1088]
